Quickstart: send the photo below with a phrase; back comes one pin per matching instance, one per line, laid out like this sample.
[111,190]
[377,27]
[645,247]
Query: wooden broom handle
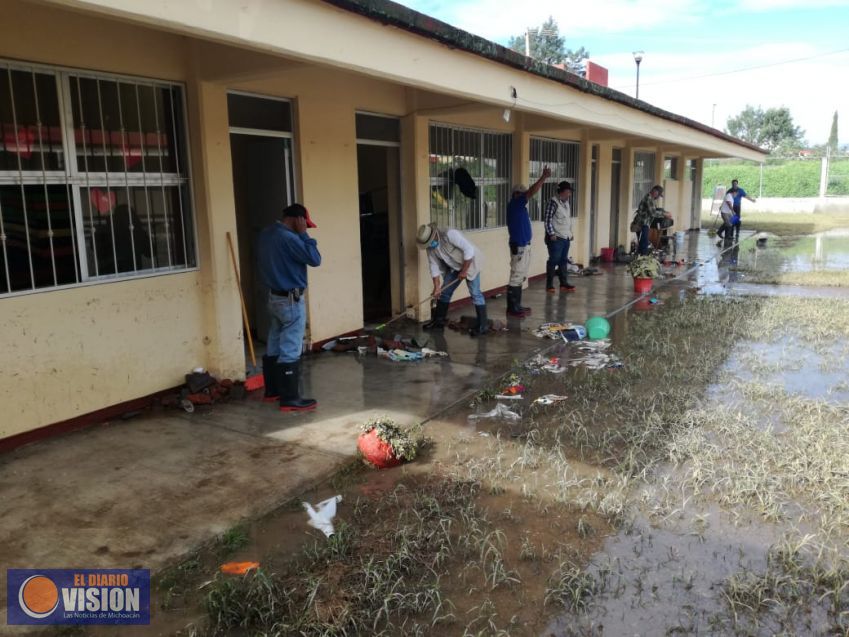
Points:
[242,299]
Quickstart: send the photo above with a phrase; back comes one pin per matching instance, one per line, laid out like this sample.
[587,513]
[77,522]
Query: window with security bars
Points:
[486,156]
[93,178]
[643,176]
[564,160]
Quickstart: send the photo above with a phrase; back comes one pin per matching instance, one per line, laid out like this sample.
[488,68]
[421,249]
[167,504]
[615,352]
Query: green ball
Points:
[597,328]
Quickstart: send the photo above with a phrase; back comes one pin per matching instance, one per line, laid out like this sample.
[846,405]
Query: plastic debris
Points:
[509,397]
[565,331]
[540,363]
[591,355]
[321,517]
[238,568]
[549,399]
[401,355]
[501,411]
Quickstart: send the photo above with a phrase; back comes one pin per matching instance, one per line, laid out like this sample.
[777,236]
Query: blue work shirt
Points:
[519,221]
[283,256]
[738,198]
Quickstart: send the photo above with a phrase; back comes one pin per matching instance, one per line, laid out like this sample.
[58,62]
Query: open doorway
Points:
[378,169]
[263,184]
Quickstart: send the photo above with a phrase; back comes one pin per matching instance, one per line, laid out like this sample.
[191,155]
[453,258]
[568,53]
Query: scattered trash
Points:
[384,444]
[408,355]
[591,355]
[509,397]
[540,363]
[565,331]
[321,517]
[238,568]
[549,399]
[655,301]
[501,411]
[203,389]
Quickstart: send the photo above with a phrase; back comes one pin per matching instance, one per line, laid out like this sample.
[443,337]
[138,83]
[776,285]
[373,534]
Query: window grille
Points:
[487,158]
[643,176]
[670,168]
[93,178]
[564,160]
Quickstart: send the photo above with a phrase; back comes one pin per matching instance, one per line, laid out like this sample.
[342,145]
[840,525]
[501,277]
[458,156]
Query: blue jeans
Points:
[474,286]
[286,332]
[558,257]
[644,240]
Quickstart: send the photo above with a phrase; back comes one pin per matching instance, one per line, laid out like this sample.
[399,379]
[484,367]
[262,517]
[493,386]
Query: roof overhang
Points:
[386,40]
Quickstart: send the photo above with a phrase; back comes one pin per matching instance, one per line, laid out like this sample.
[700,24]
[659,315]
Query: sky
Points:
[705,59]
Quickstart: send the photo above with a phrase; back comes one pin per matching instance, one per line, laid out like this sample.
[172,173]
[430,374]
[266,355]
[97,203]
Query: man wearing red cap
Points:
[284,251]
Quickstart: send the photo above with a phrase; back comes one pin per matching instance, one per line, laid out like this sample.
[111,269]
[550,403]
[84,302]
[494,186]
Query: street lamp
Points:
[638,57]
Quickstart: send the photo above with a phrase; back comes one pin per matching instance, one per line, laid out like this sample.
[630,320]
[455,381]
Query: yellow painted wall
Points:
[72,351]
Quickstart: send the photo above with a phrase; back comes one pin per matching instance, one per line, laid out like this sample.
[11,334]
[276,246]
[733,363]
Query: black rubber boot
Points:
[524,309]
[269,377]
[437,318]
[513,298]
[289,382]
[483,323]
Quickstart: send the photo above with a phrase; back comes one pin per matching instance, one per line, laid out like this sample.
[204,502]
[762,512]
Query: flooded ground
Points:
[694,479]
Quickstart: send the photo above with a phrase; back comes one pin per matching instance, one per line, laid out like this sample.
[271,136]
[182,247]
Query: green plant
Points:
[404,444]
[644,267]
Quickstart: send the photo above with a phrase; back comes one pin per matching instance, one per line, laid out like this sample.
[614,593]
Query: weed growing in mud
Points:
[233,539]
[380,572]
[572,587]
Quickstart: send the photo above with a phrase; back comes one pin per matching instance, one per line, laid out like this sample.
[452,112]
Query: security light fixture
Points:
[638,57]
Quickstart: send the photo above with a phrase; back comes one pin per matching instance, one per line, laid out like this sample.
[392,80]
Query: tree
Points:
[832,137]
[772,128]
[548,46]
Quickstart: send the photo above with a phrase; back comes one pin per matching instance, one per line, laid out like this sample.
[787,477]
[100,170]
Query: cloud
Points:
[779,5]
[690,83]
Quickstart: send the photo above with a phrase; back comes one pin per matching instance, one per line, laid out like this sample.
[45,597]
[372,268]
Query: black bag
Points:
[636,226]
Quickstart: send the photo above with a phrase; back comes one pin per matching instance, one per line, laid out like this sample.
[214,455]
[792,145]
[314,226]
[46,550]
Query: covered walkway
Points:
[144,491]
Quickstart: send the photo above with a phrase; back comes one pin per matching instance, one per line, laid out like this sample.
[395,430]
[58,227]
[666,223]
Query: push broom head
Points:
[252,383]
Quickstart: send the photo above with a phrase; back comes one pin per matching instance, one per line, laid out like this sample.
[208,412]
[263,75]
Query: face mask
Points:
[434,243]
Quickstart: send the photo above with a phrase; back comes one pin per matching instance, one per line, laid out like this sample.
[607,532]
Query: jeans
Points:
[286,332]
[558,256]
[644,240]
[474,286]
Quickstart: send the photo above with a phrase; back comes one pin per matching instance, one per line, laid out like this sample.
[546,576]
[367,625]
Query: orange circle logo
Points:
[38,596]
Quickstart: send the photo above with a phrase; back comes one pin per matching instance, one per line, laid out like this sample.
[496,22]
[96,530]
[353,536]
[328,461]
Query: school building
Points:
[137,135]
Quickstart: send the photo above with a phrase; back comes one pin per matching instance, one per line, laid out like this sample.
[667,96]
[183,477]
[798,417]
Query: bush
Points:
[781,178]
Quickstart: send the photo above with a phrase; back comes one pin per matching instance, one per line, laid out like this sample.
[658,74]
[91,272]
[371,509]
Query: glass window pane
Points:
[247,111]
[126,128]
[134,229]
[30,131]
[375,127]
[38,242]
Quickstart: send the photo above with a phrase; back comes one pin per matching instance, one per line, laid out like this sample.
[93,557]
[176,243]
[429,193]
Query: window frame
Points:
[76,180]
[638,192]
[571,151]
[480,182]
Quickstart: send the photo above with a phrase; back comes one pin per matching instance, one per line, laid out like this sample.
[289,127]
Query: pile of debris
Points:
[593,355]
[565,331]
[398,348]
[202,388]
[466,323]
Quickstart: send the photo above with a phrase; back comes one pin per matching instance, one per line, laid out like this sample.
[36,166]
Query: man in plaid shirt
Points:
[647,212]
[558,238]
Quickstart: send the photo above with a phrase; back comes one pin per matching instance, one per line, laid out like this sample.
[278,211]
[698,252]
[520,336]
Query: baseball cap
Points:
[297,210]
[564,185]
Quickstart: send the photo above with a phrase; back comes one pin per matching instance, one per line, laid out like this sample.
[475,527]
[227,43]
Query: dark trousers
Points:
[644,240]
[558,257]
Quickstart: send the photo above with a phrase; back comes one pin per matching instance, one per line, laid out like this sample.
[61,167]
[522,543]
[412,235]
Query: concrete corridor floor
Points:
[145,491]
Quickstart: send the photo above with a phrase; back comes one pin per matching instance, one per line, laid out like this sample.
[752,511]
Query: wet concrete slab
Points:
[143,492]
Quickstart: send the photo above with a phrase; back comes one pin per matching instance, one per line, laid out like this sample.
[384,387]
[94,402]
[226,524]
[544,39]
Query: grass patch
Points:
[792,224]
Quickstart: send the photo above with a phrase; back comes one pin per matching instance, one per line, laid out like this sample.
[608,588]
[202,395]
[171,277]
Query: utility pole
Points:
[713,116]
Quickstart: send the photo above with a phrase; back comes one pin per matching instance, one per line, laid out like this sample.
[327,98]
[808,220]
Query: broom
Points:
[252,383]
[409,307]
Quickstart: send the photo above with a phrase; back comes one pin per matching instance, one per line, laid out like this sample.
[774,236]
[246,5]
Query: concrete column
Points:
[215,213]
[628,205]
[419,273]
[605,195]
